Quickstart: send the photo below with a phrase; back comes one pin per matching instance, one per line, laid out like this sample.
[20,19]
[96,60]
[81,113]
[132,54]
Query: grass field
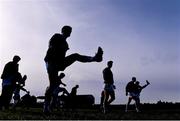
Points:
[89,114]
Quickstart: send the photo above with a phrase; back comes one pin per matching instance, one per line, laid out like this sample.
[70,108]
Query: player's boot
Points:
[98,57]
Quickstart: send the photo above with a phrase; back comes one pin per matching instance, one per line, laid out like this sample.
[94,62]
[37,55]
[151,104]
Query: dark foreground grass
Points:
[88,114]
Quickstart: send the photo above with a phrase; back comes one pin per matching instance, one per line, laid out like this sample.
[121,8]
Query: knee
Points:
[75,55]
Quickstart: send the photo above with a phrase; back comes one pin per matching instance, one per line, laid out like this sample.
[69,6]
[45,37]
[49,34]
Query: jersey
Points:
[108,76]
[10,69]
[57,49]
[130,87]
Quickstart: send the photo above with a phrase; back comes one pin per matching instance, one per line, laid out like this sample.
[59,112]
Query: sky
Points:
[141,37]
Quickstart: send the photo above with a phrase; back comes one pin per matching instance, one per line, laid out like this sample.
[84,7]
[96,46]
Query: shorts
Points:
[109,87]
[7,81]
[54,67]
[51,67]
[134,95]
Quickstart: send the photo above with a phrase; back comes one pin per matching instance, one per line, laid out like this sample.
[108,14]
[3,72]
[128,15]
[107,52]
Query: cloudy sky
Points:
[142,37]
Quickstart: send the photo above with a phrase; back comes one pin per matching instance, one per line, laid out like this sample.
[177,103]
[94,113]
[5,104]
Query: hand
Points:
[147,82]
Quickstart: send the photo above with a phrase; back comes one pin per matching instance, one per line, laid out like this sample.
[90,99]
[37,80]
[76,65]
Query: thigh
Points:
[8,92]
[70,59]
[106,94]
[129,100]
[138,99]
[112,94]
[52,74]
[4,90]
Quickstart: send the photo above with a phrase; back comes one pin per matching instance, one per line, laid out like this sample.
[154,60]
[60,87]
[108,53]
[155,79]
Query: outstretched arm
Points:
[147,83]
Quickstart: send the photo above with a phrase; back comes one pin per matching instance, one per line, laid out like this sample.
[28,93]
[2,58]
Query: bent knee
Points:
[75,54]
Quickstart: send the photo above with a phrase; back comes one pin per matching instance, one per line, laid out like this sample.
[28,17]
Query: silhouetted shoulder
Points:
[55,39]
[56,35]
[105,70]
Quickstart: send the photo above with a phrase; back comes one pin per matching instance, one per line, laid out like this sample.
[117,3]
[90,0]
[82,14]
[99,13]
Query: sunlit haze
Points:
[142,37]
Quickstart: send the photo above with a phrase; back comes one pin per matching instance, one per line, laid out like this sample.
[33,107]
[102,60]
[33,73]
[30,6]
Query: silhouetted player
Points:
[133,89]
[57,90]
[74,90]
[19,86]
[109,86]
[137,90]
[56,59]
[9,78]
[130,87]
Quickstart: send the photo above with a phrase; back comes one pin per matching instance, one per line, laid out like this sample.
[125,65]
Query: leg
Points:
[76,57]
[8,96]
[16,98]
[4,96]
[106,97]
[137,103]
[53,77]
[82,58]
[102,99]
[112,95]
[48,98]
[129,101]
[53,102]
[47,101]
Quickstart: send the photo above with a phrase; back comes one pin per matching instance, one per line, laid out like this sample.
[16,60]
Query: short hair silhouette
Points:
[66,29]
[133,78]
[77,86]
[109,62]
[16,58]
